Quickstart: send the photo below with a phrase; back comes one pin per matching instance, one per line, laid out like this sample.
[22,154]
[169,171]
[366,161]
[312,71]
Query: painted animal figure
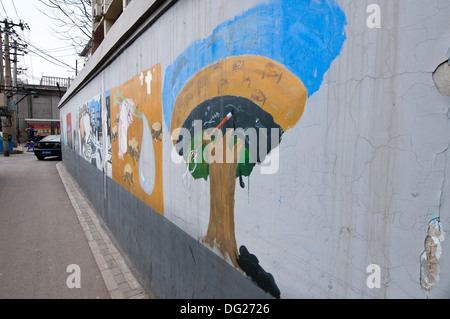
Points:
[125,120]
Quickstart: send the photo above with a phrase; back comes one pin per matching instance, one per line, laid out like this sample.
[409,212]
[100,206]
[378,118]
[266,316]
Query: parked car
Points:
[48,146]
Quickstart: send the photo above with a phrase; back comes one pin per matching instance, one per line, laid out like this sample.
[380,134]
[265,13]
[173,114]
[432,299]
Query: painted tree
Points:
[255,71]
[233,132]
[224,152]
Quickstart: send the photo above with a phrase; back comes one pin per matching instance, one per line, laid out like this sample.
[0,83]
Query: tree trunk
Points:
[220,232]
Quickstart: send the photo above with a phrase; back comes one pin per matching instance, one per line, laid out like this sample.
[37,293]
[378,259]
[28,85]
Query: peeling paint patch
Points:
[429,260]
[441,78]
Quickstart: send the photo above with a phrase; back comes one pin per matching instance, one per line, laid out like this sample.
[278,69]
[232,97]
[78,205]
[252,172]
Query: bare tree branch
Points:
[72,21]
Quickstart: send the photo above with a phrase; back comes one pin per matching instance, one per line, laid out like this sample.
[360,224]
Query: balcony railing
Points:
[55,81]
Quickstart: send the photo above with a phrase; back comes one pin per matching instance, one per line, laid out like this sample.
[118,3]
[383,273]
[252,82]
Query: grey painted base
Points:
[166,260]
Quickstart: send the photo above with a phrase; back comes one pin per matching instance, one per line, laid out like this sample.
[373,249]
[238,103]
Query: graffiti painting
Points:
[254,73]
[107,138]
[135,116]
[90,132]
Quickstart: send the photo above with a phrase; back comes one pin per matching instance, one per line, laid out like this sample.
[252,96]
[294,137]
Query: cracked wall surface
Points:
[390,140]
[362,173]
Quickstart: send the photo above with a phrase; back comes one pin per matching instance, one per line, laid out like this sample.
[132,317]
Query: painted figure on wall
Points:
[107,139]
[125,120]
[89,132]
[229,99]
[136,154]
[68,129]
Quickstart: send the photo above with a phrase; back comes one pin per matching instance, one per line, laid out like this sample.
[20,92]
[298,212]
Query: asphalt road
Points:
[40,235]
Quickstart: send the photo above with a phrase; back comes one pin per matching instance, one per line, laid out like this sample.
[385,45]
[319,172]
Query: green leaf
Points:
[246,167]
[200,169]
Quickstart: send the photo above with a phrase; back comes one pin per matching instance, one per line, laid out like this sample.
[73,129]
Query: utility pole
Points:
[8,80]
[2,77]
[10,88]
[6,124]
[14,115]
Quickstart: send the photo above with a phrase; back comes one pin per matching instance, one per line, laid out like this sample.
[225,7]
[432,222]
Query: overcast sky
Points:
[40,35]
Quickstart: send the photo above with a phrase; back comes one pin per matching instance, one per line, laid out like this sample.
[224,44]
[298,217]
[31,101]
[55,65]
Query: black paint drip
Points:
[241,180]
[250,265]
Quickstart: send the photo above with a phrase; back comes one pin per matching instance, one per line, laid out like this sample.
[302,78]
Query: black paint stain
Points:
[250,265]
[241,181]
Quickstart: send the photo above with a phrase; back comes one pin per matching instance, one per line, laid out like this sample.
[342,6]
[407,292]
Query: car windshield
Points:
[52,138]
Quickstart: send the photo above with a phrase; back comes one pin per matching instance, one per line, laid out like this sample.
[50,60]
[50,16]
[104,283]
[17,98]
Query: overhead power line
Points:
[15,9]
[55,55]
[48,60]
[47,55]
[6,14]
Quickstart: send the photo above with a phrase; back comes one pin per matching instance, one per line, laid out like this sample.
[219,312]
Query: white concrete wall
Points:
[362,173]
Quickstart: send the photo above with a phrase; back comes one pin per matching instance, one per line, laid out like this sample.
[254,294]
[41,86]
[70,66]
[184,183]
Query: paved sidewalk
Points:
[119,280]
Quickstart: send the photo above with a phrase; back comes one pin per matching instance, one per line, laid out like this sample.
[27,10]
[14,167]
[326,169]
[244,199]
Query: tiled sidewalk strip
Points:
[119,281]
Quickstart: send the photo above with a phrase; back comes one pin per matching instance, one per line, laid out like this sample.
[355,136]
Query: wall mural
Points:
[227,101]
[135,113]
[253,74]
[46,129]
[84,131]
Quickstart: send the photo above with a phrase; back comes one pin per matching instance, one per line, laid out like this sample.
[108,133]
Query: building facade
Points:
[37,107]
[105,13]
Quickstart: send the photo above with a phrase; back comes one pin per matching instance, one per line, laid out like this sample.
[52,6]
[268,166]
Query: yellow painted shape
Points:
[267,83]
[126,171]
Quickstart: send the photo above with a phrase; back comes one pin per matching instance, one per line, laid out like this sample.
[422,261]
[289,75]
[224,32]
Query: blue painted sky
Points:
[303,35]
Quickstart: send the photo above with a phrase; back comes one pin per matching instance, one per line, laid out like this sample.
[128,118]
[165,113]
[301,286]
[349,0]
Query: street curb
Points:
[118,278]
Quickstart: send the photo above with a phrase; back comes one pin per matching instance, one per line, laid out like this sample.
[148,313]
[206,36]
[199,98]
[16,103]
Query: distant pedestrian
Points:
[31,136]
